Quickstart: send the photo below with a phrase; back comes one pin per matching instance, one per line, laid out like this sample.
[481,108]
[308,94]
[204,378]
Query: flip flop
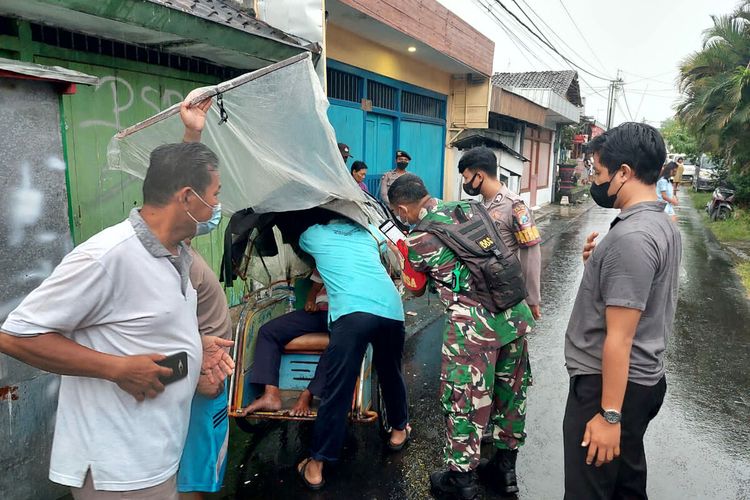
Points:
[400,446]
[308,484]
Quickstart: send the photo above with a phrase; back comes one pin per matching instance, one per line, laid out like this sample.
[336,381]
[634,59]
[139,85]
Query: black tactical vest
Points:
[496,275]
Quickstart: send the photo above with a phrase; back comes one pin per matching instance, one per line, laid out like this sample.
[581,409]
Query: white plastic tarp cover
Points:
[277,151]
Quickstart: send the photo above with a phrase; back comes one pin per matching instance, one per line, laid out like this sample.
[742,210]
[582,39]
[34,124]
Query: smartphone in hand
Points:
[392,232]
[179,365]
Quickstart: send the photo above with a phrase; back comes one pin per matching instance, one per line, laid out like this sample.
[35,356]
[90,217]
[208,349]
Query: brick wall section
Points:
[432,24]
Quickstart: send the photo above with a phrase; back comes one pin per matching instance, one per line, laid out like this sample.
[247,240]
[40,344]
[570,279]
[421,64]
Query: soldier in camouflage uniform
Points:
[485,367]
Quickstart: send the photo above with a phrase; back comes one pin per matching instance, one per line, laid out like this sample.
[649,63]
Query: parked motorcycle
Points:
[721,205]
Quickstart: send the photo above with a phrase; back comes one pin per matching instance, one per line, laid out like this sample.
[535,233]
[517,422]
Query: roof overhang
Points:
[48,73]
[167,29]
[368,25]
[559,111]
[506,103]
[473,137]
[65,79]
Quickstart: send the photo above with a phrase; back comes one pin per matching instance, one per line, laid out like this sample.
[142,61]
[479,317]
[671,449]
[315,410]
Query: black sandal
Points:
[301,474]
[400,446]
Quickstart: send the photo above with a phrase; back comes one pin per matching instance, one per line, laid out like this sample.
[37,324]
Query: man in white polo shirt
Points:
[116,305]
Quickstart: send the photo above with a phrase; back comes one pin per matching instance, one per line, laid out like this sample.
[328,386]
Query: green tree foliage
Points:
[715,82]
[679,138]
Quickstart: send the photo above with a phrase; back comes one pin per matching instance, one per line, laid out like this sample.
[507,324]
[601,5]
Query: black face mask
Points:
[402,165]
[470,189]
[600,196]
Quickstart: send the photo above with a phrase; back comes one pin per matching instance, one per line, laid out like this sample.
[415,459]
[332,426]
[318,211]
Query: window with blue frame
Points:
[422,105]
[344,86]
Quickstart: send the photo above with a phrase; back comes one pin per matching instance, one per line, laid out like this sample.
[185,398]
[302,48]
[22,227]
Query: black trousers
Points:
[274,335]
[624,477]
[350,335]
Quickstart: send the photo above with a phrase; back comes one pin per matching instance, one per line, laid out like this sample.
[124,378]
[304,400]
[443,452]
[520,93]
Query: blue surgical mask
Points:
[212,223]
[205,227]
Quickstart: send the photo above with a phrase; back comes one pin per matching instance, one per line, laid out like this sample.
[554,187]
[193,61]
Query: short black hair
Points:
[292,224]
[175,166]
[407,189]
[666,172]
[479,159]
[358,165]
[636,144]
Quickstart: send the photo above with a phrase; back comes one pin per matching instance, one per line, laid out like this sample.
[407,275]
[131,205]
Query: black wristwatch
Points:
[611,416]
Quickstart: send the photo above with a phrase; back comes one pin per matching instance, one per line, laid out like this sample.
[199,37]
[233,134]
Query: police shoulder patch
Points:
[526,232]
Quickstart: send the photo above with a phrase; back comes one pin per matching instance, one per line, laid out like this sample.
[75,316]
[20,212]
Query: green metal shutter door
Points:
[100,197]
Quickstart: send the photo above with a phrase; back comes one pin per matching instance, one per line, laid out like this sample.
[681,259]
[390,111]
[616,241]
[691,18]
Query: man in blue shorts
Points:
[205,454]
[204,459]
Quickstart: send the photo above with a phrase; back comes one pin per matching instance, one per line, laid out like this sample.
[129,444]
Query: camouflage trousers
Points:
[485,374]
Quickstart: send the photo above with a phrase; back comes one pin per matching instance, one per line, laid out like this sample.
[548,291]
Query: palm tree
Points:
[715,83]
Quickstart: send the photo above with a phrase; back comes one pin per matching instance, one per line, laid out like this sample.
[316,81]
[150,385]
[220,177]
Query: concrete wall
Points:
[350,48]
[35,237]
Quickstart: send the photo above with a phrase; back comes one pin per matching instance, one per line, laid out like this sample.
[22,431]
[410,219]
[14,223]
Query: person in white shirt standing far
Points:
[115,306]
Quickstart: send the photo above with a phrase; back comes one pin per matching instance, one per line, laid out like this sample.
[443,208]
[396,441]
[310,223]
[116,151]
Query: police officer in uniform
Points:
[485,369]
[515,222]
[402,161]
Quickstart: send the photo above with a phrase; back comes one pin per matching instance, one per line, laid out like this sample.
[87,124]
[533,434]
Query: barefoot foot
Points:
[269,401]
[302,407]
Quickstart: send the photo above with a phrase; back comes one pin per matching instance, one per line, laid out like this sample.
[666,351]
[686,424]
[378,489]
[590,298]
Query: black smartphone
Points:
[179,365]
[392,232]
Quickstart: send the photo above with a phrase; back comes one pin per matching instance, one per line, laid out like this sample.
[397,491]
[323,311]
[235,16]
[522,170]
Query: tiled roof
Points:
[563,83]
[223,13]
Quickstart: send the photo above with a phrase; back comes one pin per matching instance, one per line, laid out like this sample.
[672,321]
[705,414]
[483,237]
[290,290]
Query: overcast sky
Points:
[646,39]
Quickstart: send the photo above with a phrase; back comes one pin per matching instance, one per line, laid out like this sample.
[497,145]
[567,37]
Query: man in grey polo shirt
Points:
[622,317]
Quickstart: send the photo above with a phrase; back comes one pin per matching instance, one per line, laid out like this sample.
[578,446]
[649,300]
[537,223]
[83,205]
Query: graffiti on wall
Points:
[124,95]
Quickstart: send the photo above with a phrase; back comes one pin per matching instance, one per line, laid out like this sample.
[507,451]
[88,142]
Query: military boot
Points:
[454,484]
[500,471]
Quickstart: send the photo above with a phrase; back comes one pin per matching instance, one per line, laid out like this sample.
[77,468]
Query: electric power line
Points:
[651,78]
[627,106]
[514,39]
[643,95]
[622,112]
[509,30]
[552,47]
[532,22]
[550,29]
[545,47]
[583,37]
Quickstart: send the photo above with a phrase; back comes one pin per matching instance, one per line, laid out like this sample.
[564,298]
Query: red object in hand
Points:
[413,279]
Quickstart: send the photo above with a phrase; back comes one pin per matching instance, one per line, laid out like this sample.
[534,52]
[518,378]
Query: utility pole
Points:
[614,91]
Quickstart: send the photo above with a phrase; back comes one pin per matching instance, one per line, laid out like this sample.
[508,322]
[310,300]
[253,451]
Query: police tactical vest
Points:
[496,275]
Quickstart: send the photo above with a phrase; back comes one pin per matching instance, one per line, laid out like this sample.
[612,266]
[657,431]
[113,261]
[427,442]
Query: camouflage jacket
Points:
[428,255]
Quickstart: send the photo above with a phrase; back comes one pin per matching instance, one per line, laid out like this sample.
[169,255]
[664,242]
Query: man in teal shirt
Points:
[364,308]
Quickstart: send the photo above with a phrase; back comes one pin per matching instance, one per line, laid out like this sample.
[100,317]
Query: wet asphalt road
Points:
[698,446]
